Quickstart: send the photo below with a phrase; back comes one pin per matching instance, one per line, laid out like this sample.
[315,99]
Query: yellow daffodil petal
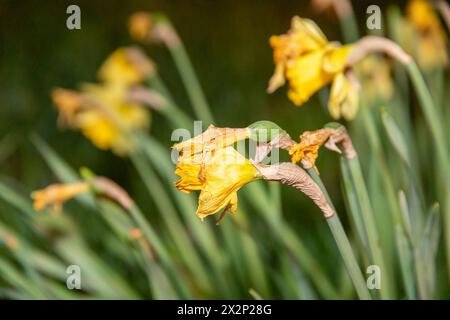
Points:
[227,172]
[343,98]
[335,58]
[306,76]
[126,66]
[189,177]
[213,138]
[97,128]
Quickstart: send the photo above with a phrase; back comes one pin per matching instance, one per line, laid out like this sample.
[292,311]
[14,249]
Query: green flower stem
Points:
[442,160]
[372,233]
[306,260]
[431,115]
[176,229]
[170,110]
[190,80]
[389,189]
[151,235]
[343,244]
[349,28]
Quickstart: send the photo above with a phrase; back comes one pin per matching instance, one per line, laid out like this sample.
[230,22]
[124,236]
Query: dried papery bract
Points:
[112,190]
[282,141]
[341,136]
[373,44]
[147,97]
[296,177]
[444,8]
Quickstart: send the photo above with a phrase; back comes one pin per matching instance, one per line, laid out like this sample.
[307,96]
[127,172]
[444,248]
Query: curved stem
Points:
[343,244]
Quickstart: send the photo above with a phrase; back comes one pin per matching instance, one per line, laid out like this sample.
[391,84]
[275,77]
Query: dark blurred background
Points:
[228,45]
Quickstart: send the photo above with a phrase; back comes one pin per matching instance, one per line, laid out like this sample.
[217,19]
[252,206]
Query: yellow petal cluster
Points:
[307,150]
[218,179]
[126,66]
[57,194]
[428,41]
[207,163]
[309,62]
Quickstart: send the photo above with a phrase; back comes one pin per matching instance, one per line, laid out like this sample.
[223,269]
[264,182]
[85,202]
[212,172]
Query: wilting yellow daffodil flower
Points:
[429,40]
[213,138]
[307,150]
[219,179]
[126,66]
[303,37]
[306,58]
[57,194]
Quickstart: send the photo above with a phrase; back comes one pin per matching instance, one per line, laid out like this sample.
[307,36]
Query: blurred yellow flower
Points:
[104,115]
[307,150]
[140,26]
[57,194]
[306,58]
[107,113]
[126,66]
[219,179]
[109,118]
[375,77]
[428,42]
